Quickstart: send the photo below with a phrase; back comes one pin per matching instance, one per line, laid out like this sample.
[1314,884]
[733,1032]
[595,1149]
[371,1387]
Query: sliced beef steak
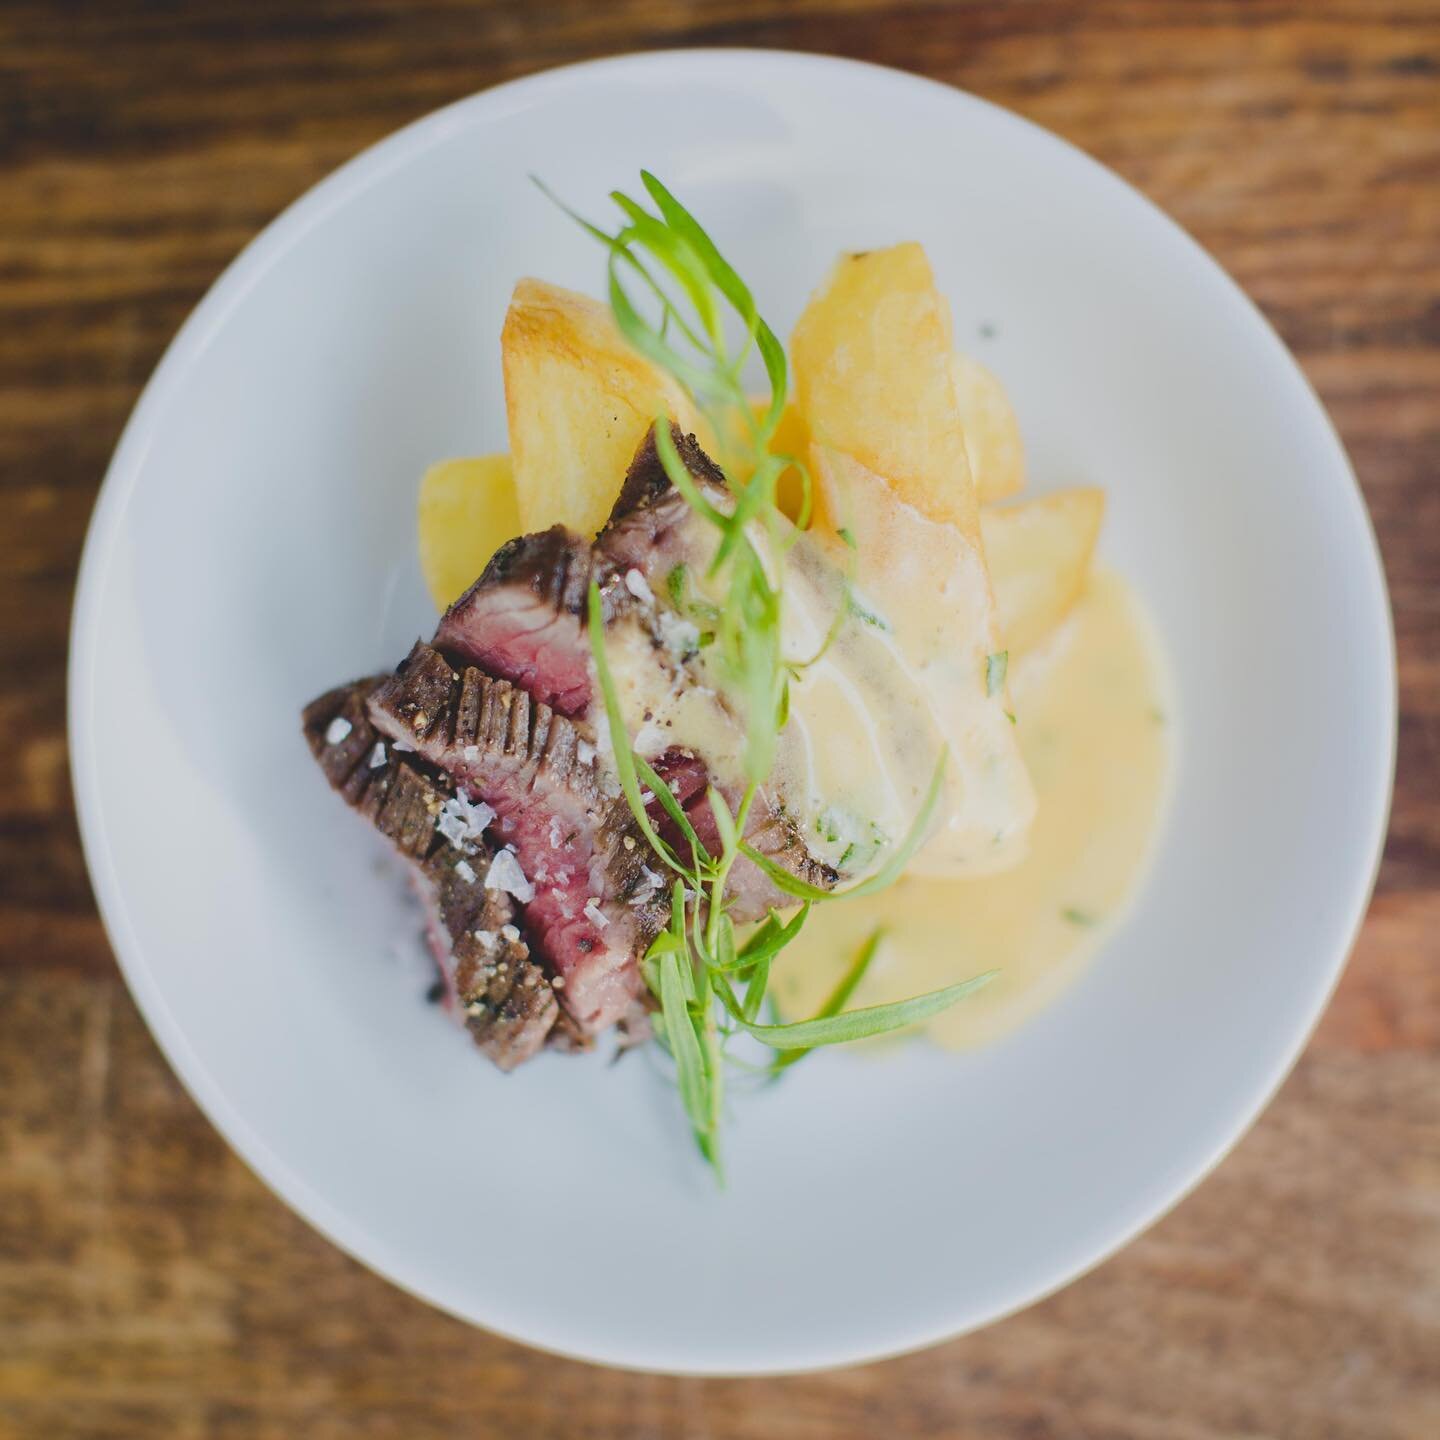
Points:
[776,836]
[525,618]
[751,892]
[501,709]
[641,529]
[502,993]
[524,621]
[574,857]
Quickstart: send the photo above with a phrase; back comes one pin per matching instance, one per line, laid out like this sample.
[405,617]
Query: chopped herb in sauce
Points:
[995,667]
[675,584]
[867,616]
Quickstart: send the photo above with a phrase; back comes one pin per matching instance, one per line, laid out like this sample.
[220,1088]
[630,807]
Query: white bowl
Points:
[254,543]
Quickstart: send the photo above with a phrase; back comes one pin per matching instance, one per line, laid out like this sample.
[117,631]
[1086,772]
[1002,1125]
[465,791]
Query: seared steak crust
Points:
[499,709]
[592,905]
[500,990]
[647,480]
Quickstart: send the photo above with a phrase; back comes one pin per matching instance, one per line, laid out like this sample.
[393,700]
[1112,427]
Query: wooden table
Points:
[149,1286]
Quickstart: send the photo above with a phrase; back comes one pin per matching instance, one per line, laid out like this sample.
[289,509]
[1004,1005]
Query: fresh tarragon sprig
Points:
[711,985]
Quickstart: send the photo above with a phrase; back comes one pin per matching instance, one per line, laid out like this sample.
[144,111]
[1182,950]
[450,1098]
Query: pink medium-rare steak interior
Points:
[573,857]
[500,712]
[494,985]
[524,619]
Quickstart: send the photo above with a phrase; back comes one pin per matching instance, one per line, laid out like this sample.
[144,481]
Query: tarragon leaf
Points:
[839,997]
[871,1020]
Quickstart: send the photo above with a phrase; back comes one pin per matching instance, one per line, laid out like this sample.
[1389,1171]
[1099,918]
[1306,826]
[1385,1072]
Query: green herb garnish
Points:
[709,986]
[1076,916]
[863,613]
[996,666]
[675,584]
[870,1020]
[838,998]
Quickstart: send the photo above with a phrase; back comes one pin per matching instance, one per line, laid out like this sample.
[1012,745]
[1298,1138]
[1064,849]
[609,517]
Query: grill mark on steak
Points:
[647,480]
[594,909]
[501,993]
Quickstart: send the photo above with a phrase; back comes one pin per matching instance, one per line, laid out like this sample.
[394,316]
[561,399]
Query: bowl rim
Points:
[201,326]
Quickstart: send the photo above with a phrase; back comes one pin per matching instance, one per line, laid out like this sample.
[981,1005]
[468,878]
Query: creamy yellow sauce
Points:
[894,642]
[1091,706]
[906,681]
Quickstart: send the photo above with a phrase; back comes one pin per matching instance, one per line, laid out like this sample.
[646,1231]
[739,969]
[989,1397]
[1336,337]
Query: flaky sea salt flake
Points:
[680,638]
[639,587]
[462,822]
[505,874]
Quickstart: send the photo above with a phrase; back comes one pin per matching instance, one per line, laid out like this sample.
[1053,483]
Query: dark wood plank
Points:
[149,1285]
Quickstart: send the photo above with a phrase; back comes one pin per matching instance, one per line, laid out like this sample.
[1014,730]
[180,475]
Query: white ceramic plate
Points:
[254,543]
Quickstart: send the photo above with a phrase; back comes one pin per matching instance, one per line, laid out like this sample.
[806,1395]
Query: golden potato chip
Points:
[992,433]
[1039,554]
[579,402]
[875,380]
[466,512]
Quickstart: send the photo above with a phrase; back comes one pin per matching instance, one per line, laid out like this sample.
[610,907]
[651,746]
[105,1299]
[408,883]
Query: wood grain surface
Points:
[149,1286]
